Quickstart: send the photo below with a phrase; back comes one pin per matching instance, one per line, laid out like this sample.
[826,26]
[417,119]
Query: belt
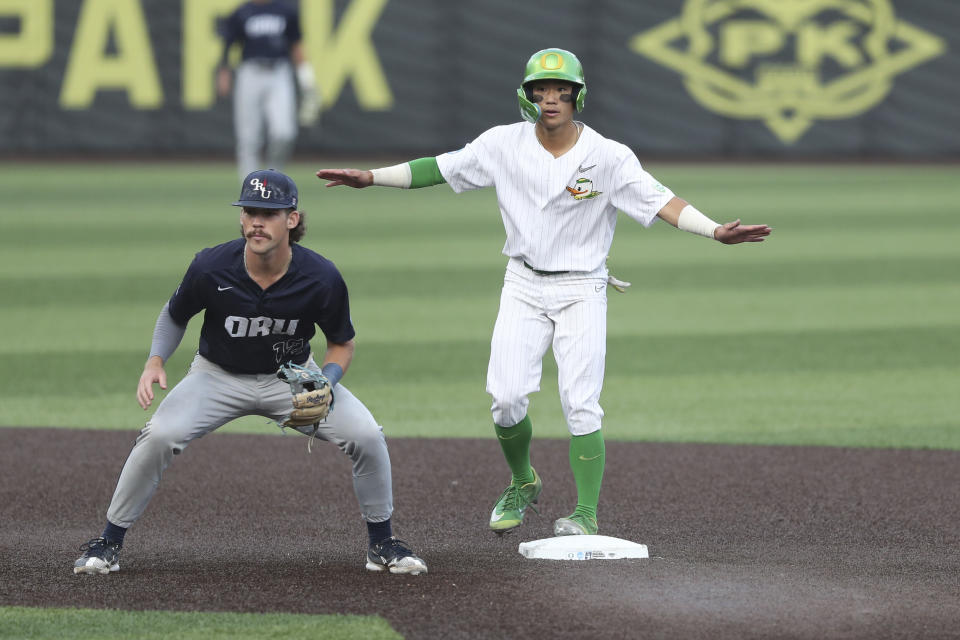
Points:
[265,63]
[541,272]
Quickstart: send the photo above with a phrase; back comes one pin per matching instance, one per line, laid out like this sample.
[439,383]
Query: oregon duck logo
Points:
[788,62]
[582,189]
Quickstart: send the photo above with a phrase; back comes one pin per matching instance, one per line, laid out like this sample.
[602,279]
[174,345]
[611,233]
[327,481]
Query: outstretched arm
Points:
[681,214]
[415,174]
[356,178]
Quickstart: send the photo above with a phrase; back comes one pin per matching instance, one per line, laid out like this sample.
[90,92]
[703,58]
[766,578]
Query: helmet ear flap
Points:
[529,110]
[581,97]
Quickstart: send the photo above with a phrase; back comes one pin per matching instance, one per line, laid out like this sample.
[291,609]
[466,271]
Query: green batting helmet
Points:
[550,64]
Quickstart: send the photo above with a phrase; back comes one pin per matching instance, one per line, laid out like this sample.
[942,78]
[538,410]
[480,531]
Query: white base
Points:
[583,548]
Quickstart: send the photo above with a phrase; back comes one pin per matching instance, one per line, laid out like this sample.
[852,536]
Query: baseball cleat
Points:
[575,525]
[508,512]
[100,556]
[395,555]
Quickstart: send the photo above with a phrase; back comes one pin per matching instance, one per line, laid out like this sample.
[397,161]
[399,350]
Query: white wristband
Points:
[695,222]
[399,175]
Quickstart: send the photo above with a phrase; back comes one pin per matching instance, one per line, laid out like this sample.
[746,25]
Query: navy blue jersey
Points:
[247,329]
[266,31]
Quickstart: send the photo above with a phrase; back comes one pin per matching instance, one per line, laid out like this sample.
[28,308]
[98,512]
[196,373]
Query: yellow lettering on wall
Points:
[741,40]
[90,68]
[770,59]
[202,48]
[347,52]
[33,45]
[816,42]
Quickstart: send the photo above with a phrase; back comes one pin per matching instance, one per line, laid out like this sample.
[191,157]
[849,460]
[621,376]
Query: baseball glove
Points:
[312,395]
[310,101]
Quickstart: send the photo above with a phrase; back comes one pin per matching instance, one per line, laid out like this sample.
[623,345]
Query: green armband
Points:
[424,172]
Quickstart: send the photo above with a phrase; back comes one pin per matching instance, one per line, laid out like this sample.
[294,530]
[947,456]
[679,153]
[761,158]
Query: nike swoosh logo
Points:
[508,437]
[494,517]
[219,288]
[589,459]
[583,168]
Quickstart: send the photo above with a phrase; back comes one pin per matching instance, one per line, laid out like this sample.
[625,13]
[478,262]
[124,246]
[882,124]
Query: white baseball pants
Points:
[568,311]
[209,396]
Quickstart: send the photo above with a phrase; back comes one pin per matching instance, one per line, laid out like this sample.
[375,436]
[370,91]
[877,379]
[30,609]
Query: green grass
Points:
[25,623]
[842,329]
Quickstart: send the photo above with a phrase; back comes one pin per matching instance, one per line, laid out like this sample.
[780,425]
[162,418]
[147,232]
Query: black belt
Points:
[541,272]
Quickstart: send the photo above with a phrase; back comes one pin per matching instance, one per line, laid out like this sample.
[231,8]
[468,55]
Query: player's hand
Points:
[356,178]
[153,372]
[224,81]
[735,233]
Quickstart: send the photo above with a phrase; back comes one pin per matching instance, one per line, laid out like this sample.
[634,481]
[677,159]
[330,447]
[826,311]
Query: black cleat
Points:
[100,556]
[393,554]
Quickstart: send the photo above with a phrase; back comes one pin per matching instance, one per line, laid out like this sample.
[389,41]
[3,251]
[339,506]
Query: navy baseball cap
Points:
[267,189]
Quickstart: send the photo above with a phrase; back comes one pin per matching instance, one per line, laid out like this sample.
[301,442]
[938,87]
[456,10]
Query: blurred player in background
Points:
[265,113]
[559,185]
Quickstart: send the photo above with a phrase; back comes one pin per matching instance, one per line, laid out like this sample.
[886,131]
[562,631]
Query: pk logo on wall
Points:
[788,62]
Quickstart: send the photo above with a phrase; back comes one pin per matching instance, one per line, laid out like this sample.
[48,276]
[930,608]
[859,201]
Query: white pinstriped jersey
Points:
[559,213]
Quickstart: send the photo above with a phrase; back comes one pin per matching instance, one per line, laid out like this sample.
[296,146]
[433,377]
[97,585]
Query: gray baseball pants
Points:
[264,115]
[209,397]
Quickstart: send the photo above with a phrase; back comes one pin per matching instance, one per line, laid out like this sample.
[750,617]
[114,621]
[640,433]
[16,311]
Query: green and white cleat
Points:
[508,512]
[575,525]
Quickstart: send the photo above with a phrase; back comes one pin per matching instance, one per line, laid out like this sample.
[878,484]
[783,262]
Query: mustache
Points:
[262,234]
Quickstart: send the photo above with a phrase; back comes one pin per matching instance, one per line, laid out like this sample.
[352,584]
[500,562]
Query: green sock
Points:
[515,442]
[587,459]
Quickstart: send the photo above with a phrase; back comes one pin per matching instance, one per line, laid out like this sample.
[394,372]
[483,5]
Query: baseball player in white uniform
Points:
[559,186]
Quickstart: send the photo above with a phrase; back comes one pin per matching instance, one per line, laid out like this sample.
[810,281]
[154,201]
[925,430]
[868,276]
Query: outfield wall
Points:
[734,78]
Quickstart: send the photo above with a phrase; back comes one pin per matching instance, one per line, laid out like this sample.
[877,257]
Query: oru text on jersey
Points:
[247,329]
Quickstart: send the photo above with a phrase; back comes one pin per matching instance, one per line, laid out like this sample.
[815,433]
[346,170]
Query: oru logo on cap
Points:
[261,187]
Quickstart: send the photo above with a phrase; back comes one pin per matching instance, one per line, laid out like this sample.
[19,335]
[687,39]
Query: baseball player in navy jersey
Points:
[262,296]
[265,111]
[559,186]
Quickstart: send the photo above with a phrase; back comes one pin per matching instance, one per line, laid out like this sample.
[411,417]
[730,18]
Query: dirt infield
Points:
[745,542]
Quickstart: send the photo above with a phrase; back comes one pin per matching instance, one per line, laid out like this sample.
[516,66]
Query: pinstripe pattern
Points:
[559,215]
[565,311]
[545,224]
